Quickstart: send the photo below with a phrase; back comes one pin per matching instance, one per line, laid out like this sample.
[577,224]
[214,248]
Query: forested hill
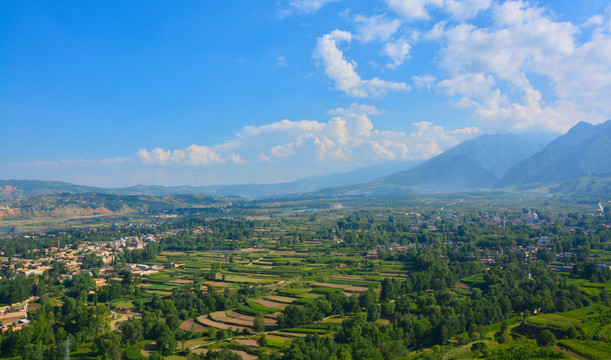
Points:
[583,151]
[66,204]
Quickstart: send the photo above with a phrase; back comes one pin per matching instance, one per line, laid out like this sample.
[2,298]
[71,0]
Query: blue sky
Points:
[196,93]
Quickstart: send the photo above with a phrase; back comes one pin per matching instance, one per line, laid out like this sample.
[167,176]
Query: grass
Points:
[592,349]
[159,287]
[553,320]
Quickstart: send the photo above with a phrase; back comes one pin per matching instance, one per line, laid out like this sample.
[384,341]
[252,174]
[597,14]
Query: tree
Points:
[262,341]
[108,345]
[166,343]
[259,322]
[479,346]
[33,352]
[546,338]
[373,312]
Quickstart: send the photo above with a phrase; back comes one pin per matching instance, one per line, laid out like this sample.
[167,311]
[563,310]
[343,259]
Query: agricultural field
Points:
[280,279]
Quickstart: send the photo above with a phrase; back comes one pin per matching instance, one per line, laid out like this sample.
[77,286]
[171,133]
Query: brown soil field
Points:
[182,281]
[206,321]
[251,319]
[248,342]
[187,324]
[271,304]
[329,285]
[285,252]
[220,316]
[282,299]
[356,288]
[463,285]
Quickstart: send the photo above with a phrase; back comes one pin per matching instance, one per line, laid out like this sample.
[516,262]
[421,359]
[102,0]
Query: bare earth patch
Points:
[204,320]
[191,325]
[251,319]
[248,342]
[329,285]
[271,304]
[356,288]
[220,316]
[181,281]
[463,286]
[282,299]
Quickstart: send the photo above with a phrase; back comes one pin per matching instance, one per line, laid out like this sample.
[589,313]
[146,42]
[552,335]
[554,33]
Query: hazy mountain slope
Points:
[68,204]
[472,164]
[575,135]
[15,189]
[565,158]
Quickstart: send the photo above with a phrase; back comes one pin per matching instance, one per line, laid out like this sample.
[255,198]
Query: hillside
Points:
[584,151]
[17,189]
[66,204]
[473,164]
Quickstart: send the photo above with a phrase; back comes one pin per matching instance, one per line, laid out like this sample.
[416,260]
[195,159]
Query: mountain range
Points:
[578,161]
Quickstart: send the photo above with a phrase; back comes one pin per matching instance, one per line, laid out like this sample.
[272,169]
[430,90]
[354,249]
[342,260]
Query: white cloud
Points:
[342,71]
[424,81]
[193,155]
[491,69]
[306,6]
[397,51]
[282,125]
[459,9]
[413,9]
[376,27]
[466,9]
[355,108]
[349,139]
[280,60]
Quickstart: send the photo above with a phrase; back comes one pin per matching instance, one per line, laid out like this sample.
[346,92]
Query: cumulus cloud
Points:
[376,27]
[466,9]
[413,9]
[491,69]
[355,108]
[347,140]
[350,139]
[342,71]
[424,81]
[197,155]
[305,6]
[418,9]
[397,51]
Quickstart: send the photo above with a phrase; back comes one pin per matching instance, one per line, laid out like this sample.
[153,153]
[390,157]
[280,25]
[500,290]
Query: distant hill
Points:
[584,151]
[576,162]
[472,164]
[16,189]
[80,204]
